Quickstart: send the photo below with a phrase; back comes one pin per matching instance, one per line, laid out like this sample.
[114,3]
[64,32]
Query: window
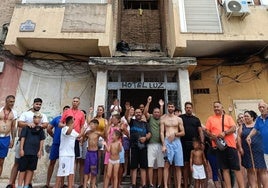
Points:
[172,76]
[63,1]
[201,91]
[149,4]
[173,97]
[153,76]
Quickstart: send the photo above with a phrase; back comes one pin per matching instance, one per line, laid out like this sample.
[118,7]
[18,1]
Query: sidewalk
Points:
[4,183]
[125,184]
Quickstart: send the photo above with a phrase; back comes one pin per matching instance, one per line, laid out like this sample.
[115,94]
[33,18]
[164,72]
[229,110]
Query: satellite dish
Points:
[234,6]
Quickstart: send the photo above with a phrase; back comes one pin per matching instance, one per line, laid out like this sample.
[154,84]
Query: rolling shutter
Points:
[202,16]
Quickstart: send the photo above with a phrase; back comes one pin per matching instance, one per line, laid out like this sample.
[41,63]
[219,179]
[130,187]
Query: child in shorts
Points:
[91,161]
[198,164]
[114,148]
[31,147]
[66,153]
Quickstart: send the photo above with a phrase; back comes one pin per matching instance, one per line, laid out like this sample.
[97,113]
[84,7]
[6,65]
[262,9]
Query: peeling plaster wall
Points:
[56,83]
[228,83]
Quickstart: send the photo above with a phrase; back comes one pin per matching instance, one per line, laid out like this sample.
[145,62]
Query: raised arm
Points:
[161,103]
[146,108]
[90,115]
[127,116]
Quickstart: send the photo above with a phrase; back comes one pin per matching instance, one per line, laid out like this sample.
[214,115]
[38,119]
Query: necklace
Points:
[6,115]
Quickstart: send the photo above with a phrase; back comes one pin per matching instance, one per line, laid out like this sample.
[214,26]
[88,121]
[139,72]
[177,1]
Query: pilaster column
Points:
[184,89]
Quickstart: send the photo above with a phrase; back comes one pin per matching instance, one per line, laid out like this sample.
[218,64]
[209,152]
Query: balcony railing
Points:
[64,1]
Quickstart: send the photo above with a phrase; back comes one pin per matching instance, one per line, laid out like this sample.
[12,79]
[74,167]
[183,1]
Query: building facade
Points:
[177,50]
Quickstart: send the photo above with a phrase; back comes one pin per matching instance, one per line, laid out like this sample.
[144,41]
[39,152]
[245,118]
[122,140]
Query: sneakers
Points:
[9,186]
[133,186]
[30,185]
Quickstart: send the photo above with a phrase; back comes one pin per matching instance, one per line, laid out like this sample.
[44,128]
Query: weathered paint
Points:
[9,78]
[229,83]
[56,83]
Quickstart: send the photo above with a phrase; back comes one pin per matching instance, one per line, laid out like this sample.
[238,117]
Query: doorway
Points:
[139,96]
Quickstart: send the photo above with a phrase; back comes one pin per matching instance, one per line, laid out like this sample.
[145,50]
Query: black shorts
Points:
[187,147]
[138,157]
[28,162]
[228,159]
[77,149]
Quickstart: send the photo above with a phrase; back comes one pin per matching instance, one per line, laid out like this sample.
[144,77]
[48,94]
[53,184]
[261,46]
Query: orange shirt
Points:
[79,118]
[214,126]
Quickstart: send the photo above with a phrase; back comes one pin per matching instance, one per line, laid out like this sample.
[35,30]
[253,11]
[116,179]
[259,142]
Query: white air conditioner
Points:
[238,8]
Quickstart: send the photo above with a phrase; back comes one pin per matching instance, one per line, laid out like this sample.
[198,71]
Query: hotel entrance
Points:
[135,87]
[134,78]
[139,96]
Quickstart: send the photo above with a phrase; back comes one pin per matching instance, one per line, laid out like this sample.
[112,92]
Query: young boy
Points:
[91,161]
[114,148]
[31,147]
[197,164]
[66,153]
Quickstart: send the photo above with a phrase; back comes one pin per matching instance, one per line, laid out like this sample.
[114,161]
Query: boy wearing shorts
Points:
[91,161]
[66,153]
[31,147]
[198,164]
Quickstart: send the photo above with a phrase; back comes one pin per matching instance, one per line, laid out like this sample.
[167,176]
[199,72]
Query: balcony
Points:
[83,28]
[226,36]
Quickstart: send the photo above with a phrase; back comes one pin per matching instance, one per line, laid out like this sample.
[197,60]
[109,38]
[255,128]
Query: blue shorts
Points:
[174,152]
[54,151]
[4,145]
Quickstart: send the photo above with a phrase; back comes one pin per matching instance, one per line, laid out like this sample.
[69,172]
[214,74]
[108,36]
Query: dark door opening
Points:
[139,96]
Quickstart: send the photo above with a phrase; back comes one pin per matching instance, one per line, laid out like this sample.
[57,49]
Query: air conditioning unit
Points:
[238,8]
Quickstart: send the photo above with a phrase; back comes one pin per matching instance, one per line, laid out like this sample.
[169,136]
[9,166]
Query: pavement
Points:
[125,184]
[4,182]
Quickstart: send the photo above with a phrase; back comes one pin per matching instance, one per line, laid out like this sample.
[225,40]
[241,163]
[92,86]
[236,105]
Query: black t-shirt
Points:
[191,125]
[33,136]
[137,129]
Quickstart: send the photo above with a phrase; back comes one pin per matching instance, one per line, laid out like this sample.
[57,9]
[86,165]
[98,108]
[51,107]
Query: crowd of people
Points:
[156,147]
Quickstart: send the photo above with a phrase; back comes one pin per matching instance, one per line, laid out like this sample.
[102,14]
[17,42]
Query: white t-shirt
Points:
[67,142]
[116,109]
[28,117]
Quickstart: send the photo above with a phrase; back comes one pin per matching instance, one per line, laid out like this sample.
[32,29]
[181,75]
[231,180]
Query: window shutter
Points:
[202,16]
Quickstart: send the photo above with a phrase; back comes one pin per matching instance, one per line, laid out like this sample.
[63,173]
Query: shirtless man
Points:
[7,127]
[171,131]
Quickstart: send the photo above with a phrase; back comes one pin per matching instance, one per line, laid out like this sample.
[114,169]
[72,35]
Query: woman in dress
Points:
[257,172]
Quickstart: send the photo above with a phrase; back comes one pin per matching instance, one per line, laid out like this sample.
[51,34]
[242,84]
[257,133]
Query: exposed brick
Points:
[142,29]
